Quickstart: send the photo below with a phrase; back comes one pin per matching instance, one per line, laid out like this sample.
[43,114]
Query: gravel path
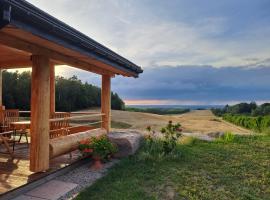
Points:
[84,176]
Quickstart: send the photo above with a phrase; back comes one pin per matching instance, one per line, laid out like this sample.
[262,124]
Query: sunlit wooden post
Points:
[1,88]
[52,88]
[106,102]
[40,110]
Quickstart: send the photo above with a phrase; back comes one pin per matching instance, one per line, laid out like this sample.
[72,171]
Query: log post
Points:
[40,110]
[106,102]
[1,88]
[2,108]
[52,88]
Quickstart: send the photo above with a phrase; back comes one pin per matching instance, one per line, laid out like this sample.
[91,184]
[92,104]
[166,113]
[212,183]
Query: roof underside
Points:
[26,30]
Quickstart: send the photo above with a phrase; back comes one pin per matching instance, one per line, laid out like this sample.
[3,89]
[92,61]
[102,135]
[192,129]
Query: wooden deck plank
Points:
[15,172]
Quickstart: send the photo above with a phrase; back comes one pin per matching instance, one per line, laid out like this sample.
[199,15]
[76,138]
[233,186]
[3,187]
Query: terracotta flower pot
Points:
[97,163]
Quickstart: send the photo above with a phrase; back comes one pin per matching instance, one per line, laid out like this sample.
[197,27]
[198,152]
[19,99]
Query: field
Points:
[199,121]
[222,170]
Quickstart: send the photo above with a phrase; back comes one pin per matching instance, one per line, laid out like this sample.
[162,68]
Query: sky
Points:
[192,51]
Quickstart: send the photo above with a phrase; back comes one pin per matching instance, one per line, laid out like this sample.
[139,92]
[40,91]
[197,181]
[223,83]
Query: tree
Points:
[71,93]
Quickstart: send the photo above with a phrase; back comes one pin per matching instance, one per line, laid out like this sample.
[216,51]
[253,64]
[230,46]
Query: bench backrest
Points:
[59,128]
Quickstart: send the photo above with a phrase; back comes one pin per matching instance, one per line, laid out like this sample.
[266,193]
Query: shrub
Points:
[160,147]
[171,133]
[258,124]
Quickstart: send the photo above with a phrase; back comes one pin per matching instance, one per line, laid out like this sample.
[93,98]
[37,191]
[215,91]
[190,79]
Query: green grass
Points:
[235,169]
[120,125]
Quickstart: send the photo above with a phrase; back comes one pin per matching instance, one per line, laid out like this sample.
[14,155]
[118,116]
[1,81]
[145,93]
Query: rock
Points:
[128,142]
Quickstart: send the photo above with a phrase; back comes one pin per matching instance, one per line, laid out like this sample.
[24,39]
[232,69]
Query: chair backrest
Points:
[59,124]
[58,133]
[10,115]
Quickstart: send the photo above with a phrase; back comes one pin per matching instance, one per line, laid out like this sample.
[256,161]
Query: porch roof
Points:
[35,31]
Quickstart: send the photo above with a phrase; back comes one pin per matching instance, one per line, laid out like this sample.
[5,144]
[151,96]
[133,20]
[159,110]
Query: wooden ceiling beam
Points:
[20,44]
[10,64]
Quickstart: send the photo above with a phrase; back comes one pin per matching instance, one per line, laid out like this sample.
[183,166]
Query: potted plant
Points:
[100,148]
[85,148]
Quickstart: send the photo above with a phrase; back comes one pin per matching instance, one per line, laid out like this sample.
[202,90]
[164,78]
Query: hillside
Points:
[202,121]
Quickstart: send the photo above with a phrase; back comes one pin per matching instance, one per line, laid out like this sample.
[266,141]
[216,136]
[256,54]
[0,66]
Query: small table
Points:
[4,140]
[21,125]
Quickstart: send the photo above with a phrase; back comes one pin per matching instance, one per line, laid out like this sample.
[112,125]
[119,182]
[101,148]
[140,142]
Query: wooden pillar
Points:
[106,102]
[40,110]
[52,88]
[1,88]
[1,97]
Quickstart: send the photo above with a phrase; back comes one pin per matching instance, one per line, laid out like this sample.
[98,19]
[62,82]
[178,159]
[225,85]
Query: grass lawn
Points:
[205,170]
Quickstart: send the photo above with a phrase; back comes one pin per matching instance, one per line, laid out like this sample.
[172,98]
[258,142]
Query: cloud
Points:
[191,51]
[197,84]
[217,33]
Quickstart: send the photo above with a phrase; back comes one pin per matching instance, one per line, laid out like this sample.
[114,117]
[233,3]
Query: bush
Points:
[162,147]
[258,124]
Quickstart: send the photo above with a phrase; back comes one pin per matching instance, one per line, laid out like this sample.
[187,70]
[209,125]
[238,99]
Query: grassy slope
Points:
[236,170]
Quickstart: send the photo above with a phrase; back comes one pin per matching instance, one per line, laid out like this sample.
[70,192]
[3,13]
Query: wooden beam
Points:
[9,64]
[20,44]
[106,102]
[40,110]
[52,88]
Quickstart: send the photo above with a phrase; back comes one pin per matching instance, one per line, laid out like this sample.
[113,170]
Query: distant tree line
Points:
[250,109]
[71,93]
[248,115]
[159,111]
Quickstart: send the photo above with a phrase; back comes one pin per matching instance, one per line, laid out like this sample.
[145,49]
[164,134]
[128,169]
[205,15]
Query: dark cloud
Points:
[198,83]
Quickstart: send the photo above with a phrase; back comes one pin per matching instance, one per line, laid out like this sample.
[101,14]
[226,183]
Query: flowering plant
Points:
[98,147]
[85,147]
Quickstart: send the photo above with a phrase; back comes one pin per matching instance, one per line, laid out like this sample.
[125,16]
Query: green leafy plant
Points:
[167,144]
[171,133]
[85,147]
[227,137]
[100,147]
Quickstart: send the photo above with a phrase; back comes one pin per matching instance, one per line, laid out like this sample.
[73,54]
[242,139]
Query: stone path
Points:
[67,186]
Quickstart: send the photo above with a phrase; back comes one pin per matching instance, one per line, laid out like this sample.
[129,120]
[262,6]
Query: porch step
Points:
[51,190]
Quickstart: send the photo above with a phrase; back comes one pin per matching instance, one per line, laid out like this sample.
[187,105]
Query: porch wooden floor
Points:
[15,172]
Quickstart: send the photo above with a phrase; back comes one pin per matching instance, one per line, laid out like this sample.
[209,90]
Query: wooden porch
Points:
[15,172]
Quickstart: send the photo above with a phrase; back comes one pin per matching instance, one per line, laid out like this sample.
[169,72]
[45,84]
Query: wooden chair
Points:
[5,139]
[12,115]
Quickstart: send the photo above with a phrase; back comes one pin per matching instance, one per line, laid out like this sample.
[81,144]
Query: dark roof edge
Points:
[24,15]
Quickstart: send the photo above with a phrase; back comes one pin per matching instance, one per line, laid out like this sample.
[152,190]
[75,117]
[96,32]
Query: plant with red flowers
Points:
[85,147]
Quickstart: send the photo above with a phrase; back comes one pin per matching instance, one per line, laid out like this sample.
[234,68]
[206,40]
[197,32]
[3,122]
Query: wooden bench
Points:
[62,127]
